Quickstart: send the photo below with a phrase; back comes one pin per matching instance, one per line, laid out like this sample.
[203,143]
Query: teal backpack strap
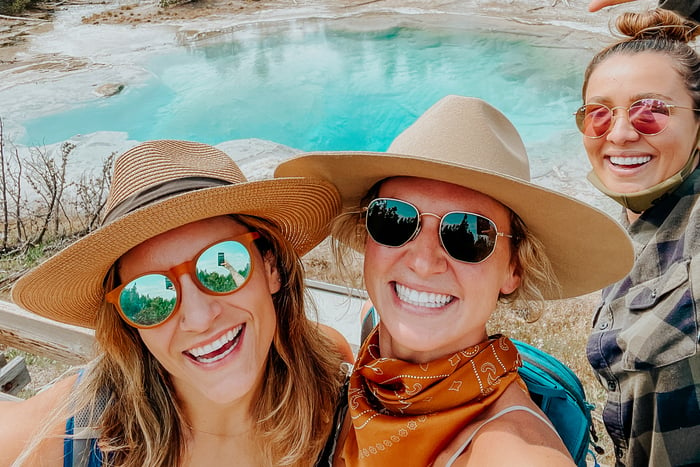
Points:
[370,320]
[556,389]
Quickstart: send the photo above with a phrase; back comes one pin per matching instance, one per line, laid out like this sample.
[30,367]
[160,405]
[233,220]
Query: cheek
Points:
[591,146]
[157,339]
[376,256]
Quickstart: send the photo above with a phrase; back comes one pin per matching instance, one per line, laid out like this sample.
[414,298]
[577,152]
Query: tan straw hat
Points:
[158,186]
[466,141]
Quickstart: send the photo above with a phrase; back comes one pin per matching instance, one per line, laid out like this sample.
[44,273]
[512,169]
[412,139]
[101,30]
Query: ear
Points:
[272,273]
[512,280]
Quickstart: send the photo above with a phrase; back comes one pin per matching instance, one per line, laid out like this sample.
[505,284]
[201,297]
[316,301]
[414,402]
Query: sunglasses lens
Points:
[649,116]
[593,120]
[224,267]
[468,237]
[148,300]
[391,222]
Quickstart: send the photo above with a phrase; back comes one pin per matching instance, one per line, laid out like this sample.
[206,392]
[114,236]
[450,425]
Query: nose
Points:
[424,254]
[621,129]
[197,310]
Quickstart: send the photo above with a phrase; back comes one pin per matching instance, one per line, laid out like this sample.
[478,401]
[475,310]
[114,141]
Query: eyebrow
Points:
[635,98]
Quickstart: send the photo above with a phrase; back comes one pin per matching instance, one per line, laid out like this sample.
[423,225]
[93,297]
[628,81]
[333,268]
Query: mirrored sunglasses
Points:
[465,236]
[221,268]
[647,116]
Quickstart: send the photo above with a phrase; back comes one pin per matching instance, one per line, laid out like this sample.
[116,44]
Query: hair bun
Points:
[657,24]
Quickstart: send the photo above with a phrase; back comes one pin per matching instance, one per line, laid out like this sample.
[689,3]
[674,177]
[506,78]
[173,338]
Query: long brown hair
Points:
[141,422]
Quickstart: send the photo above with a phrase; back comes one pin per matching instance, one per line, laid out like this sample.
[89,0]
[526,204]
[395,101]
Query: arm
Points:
[20,420]
[596,5]
[341,343]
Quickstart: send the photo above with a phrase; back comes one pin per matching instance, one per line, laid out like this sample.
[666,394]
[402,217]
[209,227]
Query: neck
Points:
[632,216]
[391,348]
[231,419]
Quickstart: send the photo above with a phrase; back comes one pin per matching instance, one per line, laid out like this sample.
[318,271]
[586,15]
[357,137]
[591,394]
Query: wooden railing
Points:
[43,337]
[74,345]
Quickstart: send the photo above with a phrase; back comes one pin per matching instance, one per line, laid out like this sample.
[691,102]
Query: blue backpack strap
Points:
[370,320]
[556,389]
[80,445]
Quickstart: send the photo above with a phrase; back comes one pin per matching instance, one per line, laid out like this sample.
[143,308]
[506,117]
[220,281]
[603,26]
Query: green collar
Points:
[640,201]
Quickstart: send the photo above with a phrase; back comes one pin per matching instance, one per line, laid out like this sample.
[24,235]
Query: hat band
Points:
[161,191]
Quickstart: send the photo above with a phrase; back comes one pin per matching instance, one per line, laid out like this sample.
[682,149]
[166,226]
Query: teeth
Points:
[617,160]
[217,344]
[424,299]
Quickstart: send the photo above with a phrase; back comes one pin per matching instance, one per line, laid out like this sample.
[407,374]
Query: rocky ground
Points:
[16,33]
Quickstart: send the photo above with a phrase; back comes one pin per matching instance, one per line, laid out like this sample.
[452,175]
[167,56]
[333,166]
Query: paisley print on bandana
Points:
[401,410]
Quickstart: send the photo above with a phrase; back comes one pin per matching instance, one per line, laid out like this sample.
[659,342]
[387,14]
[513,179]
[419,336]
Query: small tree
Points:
[91,196]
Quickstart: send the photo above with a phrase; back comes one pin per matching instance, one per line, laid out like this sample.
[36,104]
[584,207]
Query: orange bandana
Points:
[402,410]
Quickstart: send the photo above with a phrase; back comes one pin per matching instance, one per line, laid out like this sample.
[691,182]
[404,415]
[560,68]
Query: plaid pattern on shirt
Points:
[644,343]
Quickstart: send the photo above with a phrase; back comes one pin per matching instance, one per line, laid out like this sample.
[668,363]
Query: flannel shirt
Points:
[688,8]
[644,343]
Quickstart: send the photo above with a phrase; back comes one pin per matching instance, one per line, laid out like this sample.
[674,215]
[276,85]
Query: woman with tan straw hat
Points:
[196,365]
[449,225]
[641,130]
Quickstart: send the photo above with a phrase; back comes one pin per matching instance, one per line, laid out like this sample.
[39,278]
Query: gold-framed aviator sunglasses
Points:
[648,117]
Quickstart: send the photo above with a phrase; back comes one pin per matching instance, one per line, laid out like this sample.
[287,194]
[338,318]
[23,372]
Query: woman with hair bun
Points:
[641,126]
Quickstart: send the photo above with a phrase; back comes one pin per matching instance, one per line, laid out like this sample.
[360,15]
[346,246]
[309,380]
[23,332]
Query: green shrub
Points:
[14,7]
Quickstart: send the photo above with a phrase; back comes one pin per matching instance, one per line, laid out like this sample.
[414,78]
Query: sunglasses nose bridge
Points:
[623,116]
[420,222]
[182,268]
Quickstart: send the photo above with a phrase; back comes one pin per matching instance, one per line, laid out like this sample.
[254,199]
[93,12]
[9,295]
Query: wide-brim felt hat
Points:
[158,186]
[467,142]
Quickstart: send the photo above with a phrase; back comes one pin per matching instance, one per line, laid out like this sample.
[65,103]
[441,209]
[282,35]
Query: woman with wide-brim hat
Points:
[450,224]
[195,365]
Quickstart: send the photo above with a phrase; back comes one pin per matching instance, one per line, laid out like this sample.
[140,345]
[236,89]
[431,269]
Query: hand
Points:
[596,5]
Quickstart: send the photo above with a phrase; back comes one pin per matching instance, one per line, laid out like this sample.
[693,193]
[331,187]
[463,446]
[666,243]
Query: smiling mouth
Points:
[422,299]
[629,162]
[218,349]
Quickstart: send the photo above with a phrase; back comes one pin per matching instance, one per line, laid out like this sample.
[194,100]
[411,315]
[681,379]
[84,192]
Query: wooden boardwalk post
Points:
[13,375]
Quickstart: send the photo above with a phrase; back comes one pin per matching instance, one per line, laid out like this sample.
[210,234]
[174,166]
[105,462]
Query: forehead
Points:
[441,197]
[633,76]
[179,244]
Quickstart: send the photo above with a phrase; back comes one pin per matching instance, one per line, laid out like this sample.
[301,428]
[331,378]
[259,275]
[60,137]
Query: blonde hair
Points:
[537,275]
[142,424]
[660,31]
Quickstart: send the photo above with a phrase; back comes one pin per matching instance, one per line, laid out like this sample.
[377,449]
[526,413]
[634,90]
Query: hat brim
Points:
[68,287]
[587,248]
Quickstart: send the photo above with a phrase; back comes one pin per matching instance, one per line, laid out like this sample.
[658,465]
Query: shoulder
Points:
[530,440]
[341,343]
[20,420]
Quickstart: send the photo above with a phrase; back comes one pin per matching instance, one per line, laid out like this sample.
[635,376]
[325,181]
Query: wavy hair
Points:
[141,422]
